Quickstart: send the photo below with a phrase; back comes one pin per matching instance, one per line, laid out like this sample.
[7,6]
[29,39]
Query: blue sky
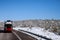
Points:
[29,9]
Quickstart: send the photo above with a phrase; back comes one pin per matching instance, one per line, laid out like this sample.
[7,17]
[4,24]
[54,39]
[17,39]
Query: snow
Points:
[40,31]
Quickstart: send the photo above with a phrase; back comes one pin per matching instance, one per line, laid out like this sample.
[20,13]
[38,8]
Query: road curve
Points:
[12,36]
[24,36]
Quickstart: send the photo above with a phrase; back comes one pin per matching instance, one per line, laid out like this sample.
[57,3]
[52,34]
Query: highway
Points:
[8,36]
[17,35]
[14,35]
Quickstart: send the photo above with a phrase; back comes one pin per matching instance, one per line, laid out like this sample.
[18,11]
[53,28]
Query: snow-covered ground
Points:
[40,31]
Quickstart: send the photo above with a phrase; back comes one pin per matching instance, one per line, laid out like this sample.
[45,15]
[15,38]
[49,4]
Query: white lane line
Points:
[17,36]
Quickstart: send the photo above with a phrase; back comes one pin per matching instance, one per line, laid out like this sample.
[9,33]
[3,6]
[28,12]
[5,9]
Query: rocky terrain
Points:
[51,25]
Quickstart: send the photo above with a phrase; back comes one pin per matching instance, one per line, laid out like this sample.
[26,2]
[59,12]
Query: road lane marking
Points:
[16,35]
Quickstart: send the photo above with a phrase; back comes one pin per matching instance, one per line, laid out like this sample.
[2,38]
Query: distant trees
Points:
[52,24]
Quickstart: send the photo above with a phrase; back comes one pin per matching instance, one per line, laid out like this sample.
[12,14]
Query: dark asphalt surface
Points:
[25,36]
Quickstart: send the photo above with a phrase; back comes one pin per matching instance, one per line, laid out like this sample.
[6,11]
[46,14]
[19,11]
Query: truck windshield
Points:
[8,25]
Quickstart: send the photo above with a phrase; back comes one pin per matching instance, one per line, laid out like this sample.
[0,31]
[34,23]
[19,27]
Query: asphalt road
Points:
[11,36]
[8,36]
[25,36]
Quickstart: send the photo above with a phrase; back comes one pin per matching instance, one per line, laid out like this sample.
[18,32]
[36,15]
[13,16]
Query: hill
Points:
[51,25]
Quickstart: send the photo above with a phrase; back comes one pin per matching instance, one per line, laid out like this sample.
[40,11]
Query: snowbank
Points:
[40,31]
